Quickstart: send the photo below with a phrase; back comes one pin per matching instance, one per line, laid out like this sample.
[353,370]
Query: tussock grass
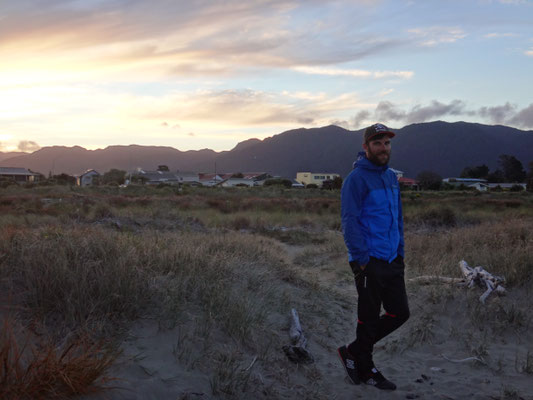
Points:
[502,247]
[36,368]
[80,275]
[226,266]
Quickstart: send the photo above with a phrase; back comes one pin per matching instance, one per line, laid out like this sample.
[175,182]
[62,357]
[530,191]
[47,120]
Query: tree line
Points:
[510,170]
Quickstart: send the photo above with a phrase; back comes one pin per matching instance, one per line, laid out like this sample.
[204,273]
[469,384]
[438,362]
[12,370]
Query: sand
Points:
[155,366]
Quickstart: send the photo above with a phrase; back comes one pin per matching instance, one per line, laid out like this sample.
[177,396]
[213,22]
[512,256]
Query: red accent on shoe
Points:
[360,322]
[390,315]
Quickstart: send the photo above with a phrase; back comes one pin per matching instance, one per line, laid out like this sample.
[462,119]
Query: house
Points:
[463,181]
[19,175]
[315,178]
[155,177]
[256,176]
[408,182]
[188,178]
[232,182]
[480,186]
[86,179]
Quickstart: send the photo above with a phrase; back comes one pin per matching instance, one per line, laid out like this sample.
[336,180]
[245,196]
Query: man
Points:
[372,224]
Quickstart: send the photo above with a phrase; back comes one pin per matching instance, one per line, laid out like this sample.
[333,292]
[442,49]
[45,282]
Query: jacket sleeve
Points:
[352,196]
[401,251]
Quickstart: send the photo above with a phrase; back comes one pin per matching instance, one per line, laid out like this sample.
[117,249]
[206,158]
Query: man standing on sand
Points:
[372,224]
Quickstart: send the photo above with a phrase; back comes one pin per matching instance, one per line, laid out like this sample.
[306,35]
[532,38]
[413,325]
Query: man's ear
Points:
[365,146]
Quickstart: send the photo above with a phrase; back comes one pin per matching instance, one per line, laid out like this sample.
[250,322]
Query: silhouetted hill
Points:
[75,160]
[11,154]
[445,148]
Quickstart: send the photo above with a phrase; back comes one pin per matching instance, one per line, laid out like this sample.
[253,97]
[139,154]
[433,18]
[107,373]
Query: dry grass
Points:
[217,265]
[38,369]
[503,248]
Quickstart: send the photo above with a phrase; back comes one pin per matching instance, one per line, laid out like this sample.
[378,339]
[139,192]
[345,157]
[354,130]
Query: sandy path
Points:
[151,369]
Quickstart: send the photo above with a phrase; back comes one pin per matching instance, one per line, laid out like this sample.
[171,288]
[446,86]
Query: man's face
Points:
[378,150]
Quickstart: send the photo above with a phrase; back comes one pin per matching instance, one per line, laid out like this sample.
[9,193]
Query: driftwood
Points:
[482,278]
[464,359]
[477,276]
[297,351]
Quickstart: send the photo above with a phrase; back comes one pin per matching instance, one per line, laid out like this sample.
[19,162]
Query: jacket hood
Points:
[363,162]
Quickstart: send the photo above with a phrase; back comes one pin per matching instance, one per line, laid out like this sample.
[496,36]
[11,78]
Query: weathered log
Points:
[472,276]
[482,278]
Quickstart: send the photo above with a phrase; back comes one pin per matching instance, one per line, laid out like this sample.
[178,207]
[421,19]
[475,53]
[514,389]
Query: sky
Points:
[195,74]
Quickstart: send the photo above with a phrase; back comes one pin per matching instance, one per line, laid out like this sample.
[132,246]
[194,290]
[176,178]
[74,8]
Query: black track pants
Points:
[379,284]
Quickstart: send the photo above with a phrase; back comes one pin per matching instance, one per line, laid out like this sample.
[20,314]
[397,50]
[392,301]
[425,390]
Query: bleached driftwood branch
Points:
[297,351]
[482,278]
[464,359]
[472,276]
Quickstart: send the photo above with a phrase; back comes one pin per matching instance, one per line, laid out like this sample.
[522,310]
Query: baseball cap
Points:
[377,129]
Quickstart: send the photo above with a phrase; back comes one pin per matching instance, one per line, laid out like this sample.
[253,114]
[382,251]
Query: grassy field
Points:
[84,270]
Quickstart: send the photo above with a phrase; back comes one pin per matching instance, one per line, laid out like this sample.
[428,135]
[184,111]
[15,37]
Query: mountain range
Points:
[442,147]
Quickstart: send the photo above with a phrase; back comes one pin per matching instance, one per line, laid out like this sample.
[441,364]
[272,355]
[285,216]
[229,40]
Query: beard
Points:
[381,158]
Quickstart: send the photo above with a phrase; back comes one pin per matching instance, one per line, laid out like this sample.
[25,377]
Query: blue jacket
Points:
[371,210]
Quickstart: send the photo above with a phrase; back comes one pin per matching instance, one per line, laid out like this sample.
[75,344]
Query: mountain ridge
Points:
[442,147]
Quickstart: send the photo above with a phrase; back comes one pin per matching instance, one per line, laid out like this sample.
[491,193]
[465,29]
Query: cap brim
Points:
[388,133]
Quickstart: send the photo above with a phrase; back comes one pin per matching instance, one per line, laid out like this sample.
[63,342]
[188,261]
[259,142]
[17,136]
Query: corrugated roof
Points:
[15,171]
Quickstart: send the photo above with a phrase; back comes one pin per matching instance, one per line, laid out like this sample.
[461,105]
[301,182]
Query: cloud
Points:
[435,35]
[386,111]
[355,73]
[529,52]
[359,118]
[163,37]
[192,134]
[435,110]
[506,114]
[497,114]
[497,35]
[243,107]
[28,146]
[164,124]
[523,118]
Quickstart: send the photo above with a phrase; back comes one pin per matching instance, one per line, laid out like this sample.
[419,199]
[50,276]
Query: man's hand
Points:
[363,267]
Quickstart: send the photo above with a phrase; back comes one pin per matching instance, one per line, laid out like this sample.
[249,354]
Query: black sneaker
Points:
[376,378]
[348,363]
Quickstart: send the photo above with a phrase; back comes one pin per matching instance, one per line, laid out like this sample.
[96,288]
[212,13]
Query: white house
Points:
[232,182]
[86,179]
[315,178]
[480,186]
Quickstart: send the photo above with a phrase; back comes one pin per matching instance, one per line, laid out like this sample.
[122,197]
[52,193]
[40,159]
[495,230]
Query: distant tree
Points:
[114,177]
[516,188]
[63,179]
[237,175]
[529,178]
[278,182]
[429,180]
[163,168]
[512,168]
[496,177]
[335,183]
[479,172]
